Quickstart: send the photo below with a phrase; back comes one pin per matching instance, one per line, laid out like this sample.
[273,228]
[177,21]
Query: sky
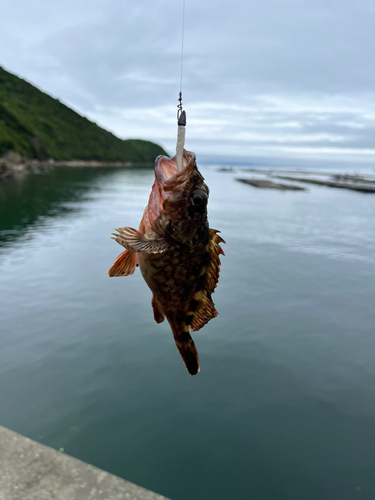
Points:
[276,80]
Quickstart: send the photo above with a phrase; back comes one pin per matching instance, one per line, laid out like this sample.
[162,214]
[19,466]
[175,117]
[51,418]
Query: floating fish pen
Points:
[365,186]
[265,184]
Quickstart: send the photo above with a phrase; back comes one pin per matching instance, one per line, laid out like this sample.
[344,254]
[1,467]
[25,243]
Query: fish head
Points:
[178,202]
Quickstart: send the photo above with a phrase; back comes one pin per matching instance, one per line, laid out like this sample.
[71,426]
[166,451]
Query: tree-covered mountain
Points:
[35,125]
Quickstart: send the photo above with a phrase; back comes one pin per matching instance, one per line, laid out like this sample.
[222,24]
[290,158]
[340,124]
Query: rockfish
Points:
[176,251]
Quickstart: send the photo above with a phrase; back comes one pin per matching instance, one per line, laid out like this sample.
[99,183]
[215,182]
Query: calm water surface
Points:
[284,406]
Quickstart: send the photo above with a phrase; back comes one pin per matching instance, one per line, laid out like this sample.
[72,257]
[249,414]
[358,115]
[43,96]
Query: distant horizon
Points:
[278,157]
[285,81]
[348,166]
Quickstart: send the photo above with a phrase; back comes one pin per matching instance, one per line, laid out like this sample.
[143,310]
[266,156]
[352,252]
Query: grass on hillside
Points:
[34,124]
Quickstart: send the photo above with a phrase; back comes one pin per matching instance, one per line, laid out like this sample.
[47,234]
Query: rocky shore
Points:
[94,163]
[14,165]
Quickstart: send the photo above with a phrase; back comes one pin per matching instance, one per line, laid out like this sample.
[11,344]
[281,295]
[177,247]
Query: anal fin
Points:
[124,265]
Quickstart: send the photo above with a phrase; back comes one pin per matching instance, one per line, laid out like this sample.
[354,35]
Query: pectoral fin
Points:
[131,239]
[124,265]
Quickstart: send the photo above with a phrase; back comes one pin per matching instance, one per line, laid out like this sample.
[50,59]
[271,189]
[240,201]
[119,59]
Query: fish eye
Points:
[199,198]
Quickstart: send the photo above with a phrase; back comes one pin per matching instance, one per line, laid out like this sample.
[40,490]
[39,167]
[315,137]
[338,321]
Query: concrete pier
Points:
[32,471]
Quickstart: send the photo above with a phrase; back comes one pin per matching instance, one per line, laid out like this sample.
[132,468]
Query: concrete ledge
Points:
[31,471]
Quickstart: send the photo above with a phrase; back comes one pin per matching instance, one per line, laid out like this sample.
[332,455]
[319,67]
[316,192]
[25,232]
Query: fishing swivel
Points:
[181,113]
[181,124]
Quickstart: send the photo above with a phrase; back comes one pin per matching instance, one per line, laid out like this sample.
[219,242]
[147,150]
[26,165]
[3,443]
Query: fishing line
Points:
[182,43]
[181,114]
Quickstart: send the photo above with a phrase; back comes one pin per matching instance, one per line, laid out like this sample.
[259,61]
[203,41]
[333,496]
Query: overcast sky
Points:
[266,79]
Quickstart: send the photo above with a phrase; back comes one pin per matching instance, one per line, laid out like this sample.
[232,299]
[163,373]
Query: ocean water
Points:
[284,406]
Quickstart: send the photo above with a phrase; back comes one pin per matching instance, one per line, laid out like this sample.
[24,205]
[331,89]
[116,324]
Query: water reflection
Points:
[32,200]
[284,406]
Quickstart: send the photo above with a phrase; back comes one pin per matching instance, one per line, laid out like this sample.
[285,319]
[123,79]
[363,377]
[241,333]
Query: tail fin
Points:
[188,351]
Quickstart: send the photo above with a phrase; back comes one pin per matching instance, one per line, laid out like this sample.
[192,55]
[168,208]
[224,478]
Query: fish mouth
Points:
[166,169]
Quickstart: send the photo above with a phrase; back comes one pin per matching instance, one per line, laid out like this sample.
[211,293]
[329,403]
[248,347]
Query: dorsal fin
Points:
[201,309]
[213,267]
[204,312]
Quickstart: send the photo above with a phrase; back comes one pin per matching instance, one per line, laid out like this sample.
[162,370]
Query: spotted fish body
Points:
[176,251]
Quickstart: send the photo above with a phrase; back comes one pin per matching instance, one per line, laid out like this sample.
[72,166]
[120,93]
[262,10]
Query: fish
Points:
[176,251]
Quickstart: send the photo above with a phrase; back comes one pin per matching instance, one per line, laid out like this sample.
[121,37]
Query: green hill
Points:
[35,125]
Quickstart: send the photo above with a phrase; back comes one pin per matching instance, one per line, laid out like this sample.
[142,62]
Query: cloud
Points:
[287,77]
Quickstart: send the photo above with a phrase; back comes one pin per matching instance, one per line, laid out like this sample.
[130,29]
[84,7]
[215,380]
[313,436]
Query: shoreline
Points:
[95,164]
[13,165]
